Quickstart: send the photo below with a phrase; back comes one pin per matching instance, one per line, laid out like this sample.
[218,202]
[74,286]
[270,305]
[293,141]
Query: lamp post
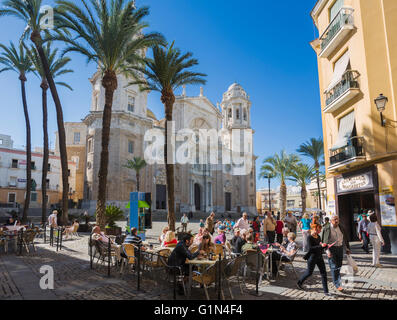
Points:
[380,103]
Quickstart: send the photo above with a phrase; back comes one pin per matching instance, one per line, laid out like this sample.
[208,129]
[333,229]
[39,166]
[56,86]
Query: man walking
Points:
[335,236]
[269,227]
[184,222]
[210,223]
[291,222]
[363,232]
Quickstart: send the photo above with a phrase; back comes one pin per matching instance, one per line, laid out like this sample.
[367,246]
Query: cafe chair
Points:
[129,252]
[207,278]
[290,263]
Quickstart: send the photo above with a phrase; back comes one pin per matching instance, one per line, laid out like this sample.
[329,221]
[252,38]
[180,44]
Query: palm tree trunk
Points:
[318,183]
[109,82]
[168,99]
[36,39]
[283,199]
[303,196]
[138,176]
[44,87]
[28,151]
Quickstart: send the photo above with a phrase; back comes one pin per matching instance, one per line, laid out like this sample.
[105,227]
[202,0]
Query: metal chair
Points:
[207,278]
[291,263]
[231,270]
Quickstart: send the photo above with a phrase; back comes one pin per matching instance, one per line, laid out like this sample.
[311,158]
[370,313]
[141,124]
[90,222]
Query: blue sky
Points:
[263,45]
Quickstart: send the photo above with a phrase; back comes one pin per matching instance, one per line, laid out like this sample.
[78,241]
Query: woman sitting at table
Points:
[162,236]
[206,245]
[170,239]
[221,238]
[198,237]
[285,253]
[99,235]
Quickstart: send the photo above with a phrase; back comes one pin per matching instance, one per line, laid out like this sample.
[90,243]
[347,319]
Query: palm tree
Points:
[29,11]
[267,174]
[57,68]
[166,72]
[281,165]
[17,60]
[108,32]
[314,149]
[136,164]
[302,174]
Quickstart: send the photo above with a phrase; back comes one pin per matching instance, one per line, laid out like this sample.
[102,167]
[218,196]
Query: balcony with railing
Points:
[337,31]
[354,152]
[345,90]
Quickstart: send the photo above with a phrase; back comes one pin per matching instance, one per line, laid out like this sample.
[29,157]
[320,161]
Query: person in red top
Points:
[279,230]
[170,239]
[256,226]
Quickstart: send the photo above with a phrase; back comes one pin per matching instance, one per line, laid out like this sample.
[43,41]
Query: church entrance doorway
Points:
[197,196]
[228,201]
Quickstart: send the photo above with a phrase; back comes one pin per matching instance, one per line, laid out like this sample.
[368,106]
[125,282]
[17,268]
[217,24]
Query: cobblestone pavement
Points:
[73,278]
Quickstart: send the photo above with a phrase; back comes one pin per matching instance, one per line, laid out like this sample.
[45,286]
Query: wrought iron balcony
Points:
[354,150]
[347,88]
[337,30]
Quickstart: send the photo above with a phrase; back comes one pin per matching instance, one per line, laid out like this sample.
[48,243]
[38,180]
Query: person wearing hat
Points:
[362,231]
[221,237]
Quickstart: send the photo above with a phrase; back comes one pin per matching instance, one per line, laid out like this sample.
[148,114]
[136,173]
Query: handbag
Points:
[352,263]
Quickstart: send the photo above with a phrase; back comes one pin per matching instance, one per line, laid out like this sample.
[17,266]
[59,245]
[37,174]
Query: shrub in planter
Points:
[113,214]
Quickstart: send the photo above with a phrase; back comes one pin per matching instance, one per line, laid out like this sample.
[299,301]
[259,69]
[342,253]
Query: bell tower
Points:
[236,108]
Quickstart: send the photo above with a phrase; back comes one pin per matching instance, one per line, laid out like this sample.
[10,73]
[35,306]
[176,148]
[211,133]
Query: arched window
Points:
[245,114]
[237,114]
[230,113]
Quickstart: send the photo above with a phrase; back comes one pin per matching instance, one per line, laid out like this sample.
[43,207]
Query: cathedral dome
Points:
[235,91]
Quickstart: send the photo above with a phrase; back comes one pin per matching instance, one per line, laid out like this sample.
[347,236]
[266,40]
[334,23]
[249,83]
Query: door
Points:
[228,201]
[197,196]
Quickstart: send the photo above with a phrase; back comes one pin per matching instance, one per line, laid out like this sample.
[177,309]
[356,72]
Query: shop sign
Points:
[358,182]
[387,207]
[22,180]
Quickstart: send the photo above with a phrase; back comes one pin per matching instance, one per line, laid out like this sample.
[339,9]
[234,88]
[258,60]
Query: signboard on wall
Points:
[357,182]
[387,207]
[331,206]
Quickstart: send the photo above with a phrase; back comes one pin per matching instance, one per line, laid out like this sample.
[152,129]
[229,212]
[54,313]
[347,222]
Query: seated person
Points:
[221,237]
[134,239]
[286,253]
[169,239]
[10,221]
[237,241]
[249,245]
[285,232]
[99,235]
[198,237]
[206,245]
[162,236]
[70,230]
[181,253]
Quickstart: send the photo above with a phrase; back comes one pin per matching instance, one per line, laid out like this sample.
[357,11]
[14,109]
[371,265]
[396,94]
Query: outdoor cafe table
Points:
[12,234]
[196,262]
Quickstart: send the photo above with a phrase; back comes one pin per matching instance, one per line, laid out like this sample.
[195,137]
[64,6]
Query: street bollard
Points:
[57,236]
[257,269]
[139,268]
[20,241]
[45,233]
[61,235]
[219,277]
[109,256]
[51,236]
[90,245]
[174,272]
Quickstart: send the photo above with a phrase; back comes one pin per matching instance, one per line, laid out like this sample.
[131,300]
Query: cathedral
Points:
[201,187]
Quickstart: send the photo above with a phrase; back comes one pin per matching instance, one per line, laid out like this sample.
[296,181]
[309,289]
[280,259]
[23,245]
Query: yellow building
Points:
[357,62]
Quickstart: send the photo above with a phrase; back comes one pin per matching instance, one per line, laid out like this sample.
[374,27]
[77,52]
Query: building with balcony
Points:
[357,61]
[13,176]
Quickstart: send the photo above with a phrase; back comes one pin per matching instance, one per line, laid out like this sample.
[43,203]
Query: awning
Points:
[346,126]
[141,204]
[340,68]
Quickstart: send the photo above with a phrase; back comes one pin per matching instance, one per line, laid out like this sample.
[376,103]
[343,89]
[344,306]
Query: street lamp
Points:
[380,103]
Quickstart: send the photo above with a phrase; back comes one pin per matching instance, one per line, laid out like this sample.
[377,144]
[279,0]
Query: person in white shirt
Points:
[376,238]
[53,219]
[184,222]
[243,223]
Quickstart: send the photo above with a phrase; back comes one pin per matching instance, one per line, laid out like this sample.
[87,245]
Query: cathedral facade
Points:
[200,186]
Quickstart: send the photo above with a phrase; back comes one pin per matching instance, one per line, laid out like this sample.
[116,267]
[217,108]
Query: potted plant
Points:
[113,214]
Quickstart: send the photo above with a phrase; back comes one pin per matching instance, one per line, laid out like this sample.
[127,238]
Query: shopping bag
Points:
[352,263]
